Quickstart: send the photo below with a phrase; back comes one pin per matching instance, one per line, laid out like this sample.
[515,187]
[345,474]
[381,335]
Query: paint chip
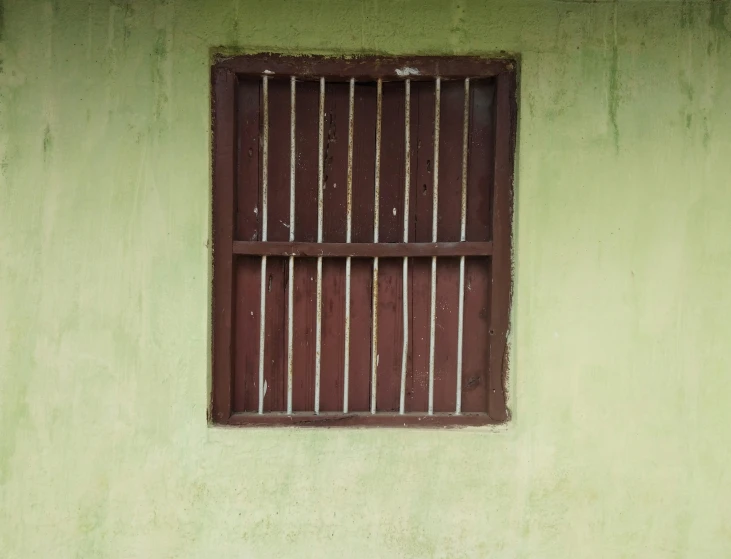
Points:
[407,71]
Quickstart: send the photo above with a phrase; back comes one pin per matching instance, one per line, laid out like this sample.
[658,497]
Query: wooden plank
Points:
[245,381]
[450,161]
[305,317]
[391,211]
[365,68]
[248,117]
[475,352]
[436,421]
[392,165]
[480,177]
[245,333]
[305,274]
[275,337]
[481,162]
[390,335]
[502,236]
[334,230]
[362,250]
[422,112]
[224,166]
[449,213]
[364,148]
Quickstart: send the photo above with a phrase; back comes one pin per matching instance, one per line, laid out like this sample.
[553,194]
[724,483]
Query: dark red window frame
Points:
[233,340]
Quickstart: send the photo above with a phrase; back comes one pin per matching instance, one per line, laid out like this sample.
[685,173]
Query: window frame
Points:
[225,72]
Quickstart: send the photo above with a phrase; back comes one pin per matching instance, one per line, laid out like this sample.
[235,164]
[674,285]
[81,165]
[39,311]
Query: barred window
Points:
[362,217]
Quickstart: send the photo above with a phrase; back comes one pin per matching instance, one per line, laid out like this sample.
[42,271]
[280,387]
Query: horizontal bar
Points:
[361,250]
[364,419]
[365,68]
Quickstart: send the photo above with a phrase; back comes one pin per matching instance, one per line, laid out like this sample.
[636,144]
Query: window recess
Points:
[362,216]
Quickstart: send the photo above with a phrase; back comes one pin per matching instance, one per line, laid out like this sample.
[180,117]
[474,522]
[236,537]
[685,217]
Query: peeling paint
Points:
[407,71]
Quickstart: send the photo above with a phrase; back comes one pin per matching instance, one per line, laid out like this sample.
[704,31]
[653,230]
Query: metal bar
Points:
[348,238]
[262,328]
[361,250]
[351,132]
[264,211]
[462,238]
[292,154]
[320,164]
[265,159]
[321,159]
[465,146]
[405,274]
[290,302]
[435,211]
[376,212]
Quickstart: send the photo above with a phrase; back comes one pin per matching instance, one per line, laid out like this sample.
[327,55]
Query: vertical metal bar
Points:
[405,274]
[320,164]
[435,211]
[348,238]
[264,212]
[376,216]
[290,305]
[462,238]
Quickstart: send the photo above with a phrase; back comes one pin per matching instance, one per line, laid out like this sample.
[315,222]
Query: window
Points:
[362,216]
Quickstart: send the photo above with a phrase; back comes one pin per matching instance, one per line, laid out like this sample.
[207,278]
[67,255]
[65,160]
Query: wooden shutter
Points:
[327,174]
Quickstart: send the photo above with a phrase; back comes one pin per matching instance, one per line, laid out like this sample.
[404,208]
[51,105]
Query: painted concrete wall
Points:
[621,370]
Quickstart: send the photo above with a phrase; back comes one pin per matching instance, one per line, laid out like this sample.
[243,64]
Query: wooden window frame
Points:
[224,76]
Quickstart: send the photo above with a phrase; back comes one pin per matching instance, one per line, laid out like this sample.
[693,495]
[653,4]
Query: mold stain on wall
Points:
[614,82]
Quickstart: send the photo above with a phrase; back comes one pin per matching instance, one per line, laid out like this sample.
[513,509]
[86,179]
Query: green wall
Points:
[620,442]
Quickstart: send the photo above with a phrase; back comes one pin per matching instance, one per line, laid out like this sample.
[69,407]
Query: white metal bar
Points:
[348,238]
[435,193]
[376,220]
[264,211]
[435,211]
[321,160]
[290,305]
[407,157]
[265,159]
[462,237]
[320,172]
[292,153]
[351,132]
[465,140]
[405,275]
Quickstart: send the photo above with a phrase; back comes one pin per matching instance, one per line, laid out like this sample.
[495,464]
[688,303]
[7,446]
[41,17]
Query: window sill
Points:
[361,419]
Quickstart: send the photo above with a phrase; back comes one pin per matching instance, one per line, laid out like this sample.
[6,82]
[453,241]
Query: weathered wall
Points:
[621,381]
